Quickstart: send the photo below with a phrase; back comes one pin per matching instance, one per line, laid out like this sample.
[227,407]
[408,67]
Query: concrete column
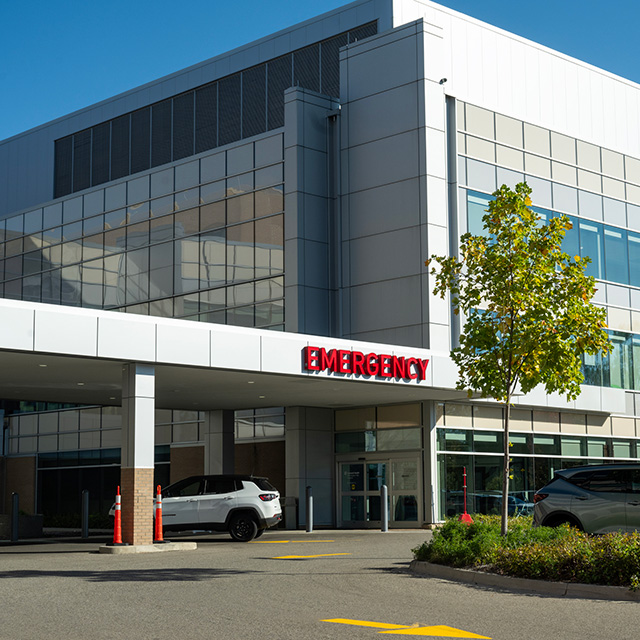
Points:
[219,446]
[310,462]
[138,421]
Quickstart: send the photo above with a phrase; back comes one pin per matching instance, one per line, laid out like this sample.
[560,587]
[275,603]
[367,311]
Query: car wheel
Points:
[243,528]
[260,532]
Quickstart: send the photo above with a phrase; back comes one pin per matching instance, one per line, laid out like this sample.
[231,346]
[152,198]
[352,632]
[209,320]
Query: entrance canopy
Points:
[65,354]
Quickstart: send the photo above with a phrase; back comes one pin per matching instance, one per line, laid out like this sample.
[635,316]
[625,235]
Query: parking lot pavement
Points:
[340,585]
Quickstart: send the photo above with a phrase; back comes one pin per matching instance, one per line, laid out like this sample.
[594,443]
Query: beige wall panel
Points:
[457,415]
[573,423]
[487,417]
[520,420]
[548,421]
[598,425]
[623,426]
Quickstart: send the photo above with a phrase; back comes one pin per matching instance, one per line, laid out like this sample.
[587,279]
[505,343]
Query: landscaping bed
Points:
[561,554]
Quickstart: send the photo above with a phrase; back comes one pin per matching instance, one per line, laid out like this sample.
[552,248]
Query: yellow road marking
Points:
[440,630]
[365,623]
[320,555]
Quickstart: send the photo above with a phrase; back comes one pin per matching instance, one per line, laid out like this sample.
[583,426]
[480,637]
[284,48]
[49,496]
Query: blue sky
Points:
[57,56]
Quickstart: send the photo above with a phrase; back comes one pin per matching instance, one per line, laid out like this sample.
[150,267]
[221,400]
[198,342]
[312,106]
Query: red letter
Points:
[422,366]
[344,364]
[372,366]
[328,361]
[385,365]
[311,358]
[399,367]
[358,362]
[410,373]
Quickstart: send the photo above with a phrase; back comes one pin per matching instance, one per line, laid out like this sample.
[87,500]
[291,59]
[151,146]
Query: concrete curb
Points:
[148,548]
[557,589]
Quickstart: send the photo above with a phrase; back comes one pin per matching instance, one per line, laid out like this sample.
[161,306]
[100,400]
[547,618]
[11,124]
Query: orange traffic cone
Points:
[117,523]
[158,528]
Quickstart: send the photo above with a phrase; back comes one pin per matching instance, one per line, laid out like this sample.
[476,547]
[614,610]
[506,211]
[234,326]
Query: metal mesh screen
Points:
[183,126]
[229,108]
[161,133]
[63,162]
[140,140]
[100,153]
[365,31]
[120,147]
[242,105]
[279,78]
[306,68]
[254,101]
[82,160]
[330,64]
[207,117]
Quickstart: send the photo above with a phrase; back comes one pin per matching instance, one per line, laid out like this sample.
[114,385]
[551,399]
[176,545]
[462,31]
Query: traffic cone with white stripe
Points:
[158,527]
[117,522]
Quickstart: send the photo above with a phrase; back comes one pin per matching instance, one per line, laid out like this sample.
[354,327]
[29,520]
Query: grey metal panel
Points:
[383,114]
[387,304]
[383,161]
[395,254]
[384,208]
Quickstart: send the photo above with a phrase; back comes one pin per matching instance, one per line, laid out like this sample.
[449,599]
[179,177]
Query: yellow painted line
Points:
[320,555]
[440,631]
[366,623]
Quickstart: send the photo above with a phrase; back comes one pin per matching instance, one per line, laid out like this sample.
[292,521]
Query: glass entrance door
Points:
[360,484]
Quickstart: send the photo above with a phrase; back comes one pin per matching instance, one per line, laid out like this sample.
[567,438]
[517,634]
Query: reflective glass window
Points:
[212,253]
[186,265]
[592,245]
[634,259]
[240,250]
[240,208]
[615,251]
[476,208]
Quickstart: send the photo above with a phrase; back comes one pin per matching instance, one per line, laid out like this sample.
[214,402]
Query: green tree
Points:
[527,308]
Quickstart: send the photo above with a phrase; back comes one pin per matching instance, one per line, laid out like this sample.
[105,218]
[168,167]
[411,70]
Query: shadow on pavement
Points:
[131,575]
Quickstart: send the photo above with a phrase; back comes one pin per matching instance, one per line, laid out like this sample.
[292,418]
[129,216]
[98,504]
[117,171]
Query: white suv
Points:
[242,505]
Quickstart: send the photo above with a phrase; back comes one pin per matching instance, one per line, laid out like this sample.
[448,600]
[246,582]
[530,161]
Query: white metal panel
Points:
[64,330]
[183,344]
[16,327]
[127,337]
[235,350]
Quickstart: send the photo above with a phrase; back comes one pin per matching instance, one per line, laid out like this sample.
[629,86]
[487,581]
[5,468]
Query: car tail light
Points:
[267,497]
[539,496]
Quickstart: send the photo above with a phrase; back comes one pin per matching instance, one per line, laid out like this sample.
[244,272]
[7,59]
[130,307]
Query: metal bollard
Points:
[85,514]
[309,510]
[384,509]
[15,515]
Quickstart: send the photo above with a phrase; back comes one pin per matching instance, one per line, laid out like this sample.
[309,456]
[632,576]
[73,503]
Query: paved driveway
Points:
[284,585]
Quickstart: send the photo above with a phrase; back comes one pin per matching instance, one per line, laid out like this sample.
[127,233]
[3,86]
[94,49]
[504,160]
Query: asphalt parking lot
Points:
[339,585]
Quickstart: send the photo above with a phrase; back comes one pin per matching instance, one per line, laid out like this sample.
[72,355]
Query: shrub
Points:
[561,553]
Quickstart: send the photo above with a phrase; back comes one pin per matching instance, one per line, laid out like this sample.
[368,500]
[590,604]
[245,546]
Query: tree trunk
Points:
[504,525]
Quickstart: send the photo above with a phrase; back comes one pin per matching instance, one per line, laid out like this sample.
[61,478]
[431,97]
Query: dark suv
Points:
[596,498]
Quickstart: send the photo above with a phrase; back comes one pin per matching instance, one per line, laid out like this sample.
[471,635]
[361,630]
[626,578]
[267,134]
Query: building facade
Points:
[296,185]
